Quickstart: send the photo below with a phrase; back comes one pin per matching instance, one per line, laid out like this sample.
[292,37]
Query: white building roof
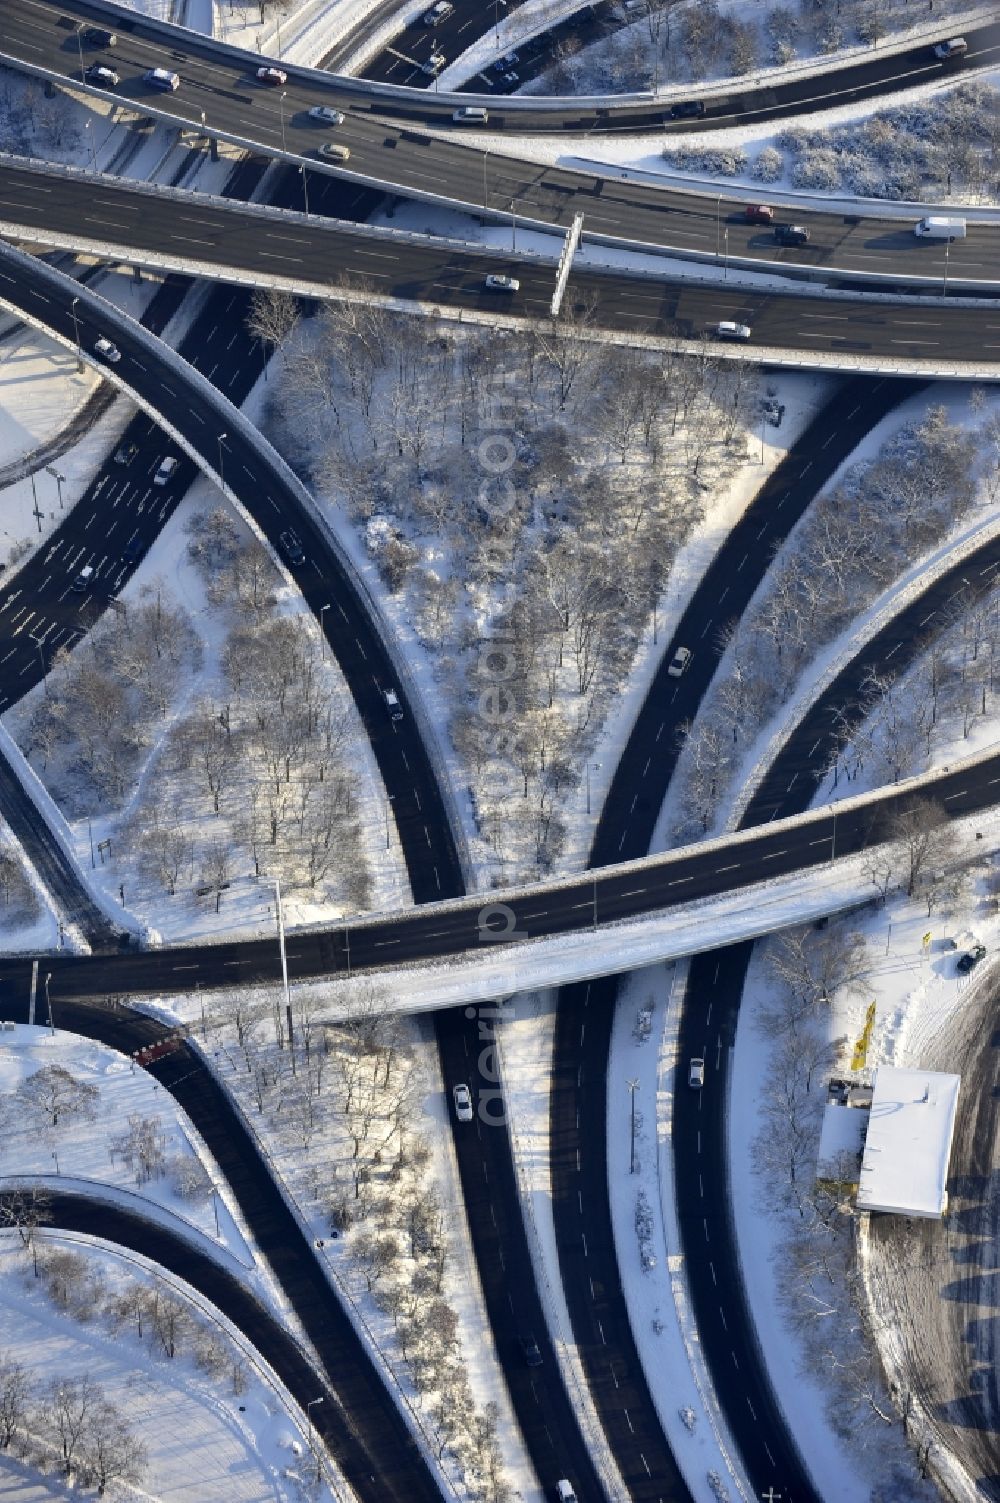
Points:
[905,1164]
[842,1137]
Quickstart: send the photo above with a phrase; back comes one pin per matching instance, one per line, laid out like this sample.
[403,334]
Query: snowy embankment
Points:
[205,1439]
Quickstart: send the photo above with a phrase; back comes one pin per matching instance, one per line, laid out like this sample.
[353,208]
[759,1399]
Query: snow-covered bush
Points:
[713,161]
[768,166]
[817,170]
[907,152]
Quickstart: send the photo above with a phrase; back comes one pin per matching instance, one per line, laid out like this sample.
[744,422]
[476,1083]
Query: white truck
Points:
[940,227]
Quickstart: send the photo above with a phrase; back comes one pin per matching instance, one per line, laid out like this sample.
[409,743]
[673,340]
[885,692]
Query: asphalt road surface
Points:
[44,33]
[400,158]
[508,69]
[230,235]
[361,1421]
[545,1413]
[581,1209]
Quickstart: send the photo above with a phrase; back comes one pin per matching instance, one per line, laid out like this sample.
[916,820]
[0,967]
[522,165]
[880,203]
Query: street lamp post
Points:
[388,800]
[718,224]
[222,479]
[79,43]
[76,331]
[322,633]
[48,1002]
[486,200]
[41,661]
[513,225]
[597,768]
[312,1433]
[93,149]
[305,190]
[276,883]
[944,288]
[284,965]
[725,267]
[60,481]
[281,107]
[37,513]
[633,1086]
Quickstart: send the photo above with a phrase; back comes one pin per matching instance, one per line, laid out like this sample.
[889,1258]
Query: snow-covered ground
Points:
[728,158]
[78,1150]
[802,396]
[737,43]
[975,523]
[247,906]
[343,1200]
[206,1440]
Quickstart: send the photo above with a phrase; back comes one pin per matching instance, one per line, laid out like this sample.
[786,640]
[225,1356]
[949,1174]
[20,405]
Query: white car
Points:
[497,283]
[392,704]
[165,469]
[335,151]
[954,47]
[462,1097]
[696,1074]
[162,79]
[108,351]
[434,64]
[730,330]
[326,114]
[680,662]
[272,76]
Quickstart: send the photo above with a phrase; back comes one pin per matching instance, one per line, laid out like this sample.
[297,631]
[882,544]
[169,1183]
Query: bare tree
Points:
[52,1096]
[70,1405]
[142,1147]
[922,839]
[811,965]
[15,1392]
[111,1451]
[273,316]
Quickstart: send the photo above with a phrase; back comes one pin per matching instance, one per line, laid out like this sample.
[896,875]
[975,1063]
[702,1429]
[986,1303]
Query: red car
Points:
[758,214]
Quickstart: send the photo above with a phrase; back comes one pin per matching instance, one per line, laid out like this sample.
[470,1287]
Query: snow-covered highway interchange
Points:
[596,1418]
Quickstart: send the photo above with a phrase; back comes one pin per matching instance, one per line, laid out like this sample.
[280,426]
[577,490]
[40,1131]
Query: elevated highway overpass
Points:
[219,93]
[199,235]
[42,34]
[597,923]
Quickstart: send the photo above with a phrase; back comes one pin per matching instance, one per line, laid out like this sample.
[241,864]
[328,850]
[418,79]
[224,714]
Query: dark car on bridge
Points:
[791,234]
[688,109]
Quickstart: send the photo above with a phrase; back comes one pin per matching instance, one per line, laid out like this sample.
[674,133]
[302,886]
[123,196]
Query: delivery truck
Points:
[940,227]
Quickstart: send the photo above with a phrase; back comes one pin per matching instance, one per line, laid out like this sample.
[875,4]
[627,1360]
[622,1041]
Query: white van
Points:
[940,227]
[82,580]
[471,114]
